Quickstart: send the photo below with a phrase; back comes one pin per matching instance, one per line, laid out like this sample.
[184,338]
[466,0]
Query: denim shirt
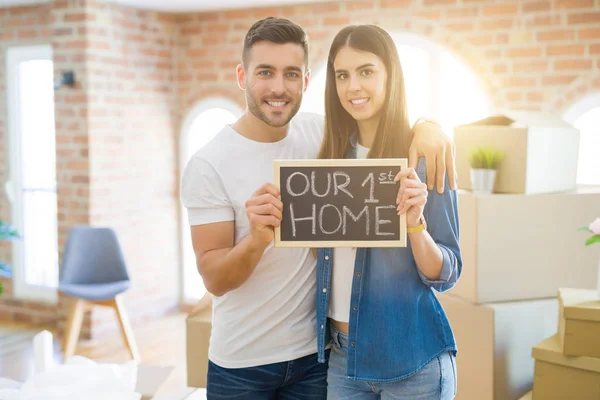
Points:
[397,325]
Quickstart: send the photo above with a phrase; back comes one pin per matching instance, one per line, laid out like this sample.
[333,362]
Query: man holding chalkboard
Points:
[263,340]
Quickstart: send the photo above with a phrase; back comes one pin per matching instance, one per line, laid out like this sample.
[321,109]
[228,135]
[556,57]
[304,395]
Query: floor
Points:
[161,342]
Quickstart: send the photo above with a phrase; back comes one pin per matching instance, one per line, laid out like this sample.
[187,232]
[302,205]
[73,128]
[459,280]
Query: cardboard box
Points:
[519,247]
[540,151]
[494,345]
[198,327]
[558,376]
[579,322]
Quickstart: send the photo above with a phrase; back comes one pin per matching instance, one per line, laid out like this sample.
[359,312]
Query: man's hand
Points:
[264,211]
[429,141]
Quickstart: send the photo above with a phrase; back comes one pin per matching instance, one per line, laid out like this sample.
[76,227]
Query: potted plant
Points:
[7,232]
[594,229]
[484,162]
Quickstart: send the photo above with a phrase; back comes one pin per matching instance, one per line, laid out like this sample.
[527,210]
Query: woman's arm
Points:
[436,249]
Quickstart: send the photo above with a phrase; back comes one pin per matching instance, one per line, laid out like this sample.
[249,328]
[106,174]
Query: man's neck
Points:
[255,129]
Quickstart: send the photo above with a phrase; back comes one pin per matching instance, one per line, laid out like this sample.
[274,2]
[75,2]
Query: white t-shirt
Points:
[271,317]
[343,272]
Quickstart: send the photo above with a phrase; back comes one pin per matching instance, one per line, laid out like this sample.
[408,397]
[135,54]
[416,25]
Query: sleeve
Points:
[441,215]
[203,194]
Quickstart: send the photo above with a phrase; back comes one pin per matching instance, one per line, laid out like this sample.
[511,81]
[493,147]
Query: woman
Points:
[389,335]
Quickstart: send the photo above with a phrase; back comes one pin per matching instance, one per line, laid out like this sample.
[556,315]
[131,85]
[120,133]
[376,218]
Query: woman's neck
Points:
[367,130]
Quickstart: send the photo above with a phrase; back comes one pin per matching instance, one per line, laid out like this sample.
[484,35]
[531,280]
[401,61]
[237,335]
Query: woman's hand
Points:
[412,196]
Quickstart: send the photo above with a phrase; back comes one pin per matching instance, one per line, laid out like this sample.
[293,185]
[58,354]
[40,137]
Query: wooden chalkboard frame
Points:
[401,162]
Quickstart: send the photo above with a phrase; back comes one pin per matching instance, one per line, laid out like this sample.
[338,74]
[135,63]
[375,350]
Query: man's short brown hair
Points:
[276,30]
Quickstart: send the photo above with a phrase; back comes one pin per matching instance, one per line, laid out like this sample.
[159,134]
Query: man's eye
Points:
[264,73]
[293,74]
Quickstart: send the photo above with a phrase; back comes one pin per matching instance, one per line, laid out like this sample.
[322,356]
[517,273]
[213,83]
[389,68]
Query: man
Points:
[263,339]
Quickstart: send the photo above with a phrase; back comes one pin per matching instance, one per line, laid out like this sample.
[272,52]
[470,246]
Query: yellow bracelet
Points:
[418,228]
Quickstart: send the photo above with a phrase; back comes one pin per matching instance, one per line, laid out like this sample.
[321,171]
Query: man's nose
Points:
[278,85]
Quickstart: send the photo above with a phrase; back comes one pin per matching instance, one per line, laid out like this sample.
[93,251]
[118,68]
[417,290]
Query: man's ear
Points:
[306,79]
[241,76]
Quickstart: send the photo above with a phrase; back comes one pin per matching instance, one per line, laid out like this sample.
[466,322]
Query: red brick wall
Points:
[132,121]
[534,54]
[116,144]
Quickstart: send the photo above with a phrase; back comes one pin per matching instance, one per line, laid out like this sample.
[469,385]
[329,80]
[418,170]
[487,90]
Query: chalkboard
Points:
[339,203]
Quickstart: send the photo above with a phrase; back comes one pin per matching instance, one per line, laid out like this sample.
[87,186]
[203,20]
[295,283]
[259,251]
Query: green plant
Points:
[485,158]
[7,232]
[593,228]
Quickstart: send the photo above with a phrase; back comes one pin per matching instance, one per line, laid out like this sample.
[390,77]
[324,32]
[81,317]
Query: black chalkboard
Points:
[339,203]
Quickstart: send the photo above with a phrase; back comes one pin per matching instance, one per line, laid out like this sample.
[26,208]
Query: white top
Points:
[343,272]
[271,317]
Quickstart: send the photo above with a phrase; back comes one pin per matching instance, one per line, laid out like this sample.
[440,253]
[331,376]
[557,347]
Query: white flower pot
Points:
[483,180]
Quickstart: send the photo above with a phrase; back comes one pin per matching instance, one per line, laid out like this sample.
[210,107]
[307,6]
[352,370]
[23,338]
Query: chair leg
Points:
[126,330]
[73,327]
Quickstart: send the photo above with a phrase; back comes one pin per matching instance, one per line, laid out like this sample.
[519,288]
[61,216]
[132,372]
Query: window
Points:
[200,127]
[438,85]
[32,183]
[585,116]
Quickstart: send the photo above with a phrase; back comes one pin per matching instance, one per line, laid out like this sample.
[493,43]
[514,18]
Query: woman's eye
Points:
[341,77]
[366,72]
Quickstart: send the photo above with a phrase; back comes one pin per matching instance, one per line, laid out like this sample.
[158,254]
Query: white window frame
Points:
[14,187]
[195,112]
[579,108]
[435,52]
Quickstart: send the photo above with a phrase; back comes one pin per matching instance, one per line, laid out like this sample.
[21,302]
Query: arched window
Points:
[585,116]
[200,126]
[438,85]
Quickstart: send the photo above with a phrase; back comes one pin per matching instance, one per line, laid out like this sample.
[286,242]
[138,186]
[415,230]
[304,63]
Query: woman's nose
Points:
[354,84]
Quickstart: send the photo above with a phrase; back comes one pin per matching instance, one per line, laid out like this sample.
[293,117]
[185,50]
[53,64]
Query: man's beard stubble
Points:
[254,108]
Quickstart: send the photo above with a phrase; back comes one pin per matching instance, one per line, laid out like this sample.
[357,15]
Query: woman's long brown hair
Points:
[393,135]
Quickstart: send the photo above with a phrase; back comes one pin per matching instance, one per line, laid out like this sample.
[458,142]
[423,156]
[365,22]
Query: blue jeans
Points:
[303,378]
[436,380]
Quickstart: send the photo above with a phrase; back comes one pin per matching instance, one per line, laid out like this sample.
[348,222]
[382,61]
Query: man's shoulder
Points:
[216,147]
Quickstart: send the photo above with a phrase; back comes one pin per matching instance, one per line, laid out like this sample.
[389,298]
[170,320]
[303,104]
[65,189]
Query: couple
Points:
[354,323]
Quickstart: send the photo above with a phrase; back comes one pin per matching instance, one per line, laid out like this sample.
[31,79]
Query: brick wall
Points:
[528,54]
[116,144]
[132,117]
[140,72]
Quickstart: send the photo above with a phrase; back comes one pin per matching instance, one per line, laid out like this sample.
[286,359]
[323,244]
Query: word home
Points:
[339,203]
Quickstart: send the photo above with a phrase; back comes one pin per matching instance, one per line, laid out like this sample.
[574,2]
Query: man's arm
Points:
[429,141]
[222,265]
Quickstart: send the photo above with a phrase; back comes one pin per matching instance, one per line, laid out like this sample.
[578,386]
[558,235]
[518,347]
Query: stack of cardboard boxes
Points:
[519,246]
[567,364]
